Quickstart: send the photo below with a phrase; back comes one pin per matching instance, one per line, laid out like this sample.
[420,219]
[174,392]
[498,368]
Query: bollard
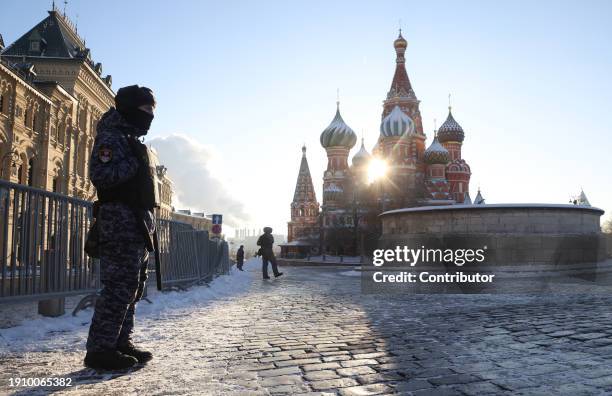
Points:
[54,307]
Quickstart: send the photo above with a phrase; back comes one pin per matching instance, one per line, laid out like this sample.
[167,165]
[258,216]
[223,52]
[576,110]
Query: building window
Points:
[54,184]
[35,46]
[31,172]
[20,174]
[2,103]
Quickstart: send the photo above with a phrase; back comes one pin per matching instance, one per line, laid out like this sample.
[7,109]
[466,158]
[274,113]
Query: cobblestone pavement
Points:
[313,332]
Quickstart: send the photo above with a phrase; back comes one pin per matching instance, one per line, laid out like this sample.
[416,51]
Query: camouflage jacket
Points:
[112,163]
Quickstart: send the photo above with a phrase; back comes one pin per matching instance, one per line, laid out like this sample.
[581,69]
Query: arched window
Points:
[26,117]
[2,103]
[20,174]
[301,212]
[31,172]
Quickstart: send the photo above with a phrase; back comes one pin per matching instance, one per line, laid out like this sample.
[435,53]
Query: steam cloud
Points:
[195,187]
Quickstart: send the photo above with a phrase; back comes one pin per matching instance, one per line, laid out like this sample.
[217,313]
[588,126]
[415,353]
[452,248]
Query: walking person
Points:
[121,172]
[266,241]
[240,257]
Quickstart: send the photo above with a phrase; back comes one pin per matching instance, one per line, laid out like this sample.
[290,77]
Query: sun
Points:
[376,169]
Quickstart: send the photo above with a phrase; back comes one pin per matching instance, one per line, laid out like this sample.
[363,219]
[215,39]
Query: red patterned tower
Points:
[402,141]
[436,184]
[303,229]
[458,172]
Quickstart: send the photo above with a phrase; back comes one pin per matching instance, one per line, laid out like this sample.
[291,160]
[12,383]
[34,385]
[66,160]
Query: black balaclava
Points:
[128,100]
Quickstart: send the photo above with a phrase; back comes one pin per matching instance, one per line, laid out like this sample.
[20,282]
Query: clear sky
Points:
[241,85]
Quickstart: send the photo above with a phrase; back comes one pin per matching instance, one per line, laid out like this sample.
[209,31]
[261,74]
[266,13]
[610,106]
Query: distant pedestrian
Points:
[240,257]
[266,241]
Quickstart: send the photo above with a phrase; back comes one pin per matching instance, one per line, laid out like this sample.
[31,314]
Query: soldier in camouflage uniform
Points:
[121,173]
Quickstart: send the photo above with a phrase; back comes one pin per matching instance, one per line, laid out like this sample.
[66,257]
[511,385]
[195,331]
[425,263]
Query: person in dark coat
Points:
[120,170]
[266,241]
[240,257]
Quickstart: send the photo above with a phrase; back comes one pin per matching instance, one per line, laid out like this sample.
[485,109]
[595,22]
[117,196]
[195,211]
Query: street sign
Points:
[216,228]
[217,219]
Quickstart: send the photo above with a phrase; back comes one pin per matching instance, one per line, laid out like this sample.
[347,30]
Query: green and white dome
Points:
[338,133]
[397,123]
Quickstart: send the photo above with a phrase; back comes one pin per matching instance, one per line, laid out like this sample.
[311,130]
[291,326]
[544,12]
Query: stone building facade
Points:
[52,95]
[198,220]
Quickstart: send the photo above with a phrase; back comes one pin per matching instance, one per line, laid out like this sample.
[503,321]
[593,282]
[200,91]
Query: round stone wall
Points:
[510,233]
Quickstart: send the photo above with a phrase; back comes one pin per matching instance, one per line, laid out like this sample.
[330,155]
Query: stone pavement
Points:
[313,332]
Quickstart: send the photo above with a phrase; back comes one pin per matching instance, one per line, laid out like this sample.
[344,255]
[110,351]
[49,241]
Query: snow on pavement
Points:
[42,332]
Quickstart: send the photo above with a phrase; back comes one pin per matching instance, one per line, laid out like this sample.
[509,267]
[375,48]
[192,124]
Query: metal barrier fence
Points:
[187,255]
[42,239]
[42,235]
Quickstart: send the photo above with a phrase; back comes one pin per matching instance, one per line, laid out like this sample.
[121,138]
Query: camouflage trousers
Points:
[123,272]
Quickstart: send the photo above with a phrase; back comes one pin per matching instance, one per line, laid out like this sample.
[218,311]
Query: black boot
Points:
[109,360]
[278,274]
[130,349]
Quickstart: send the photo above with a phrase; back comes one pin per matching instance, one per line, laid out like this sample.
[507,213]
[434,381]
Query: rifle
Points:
[157,261]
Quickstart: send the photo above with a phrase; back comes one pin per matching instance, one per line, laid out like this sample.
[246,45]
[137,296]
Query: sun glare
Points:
[376,170]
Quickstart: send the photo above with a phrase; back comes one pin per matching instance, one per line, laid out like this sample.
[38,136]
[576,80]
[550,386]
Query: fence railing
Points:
[187,255]
[42,239]
[42,236]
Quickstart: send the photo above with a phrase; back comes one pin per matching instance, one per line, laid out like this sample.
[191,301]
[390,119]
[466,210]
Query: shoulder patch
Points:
[105,155]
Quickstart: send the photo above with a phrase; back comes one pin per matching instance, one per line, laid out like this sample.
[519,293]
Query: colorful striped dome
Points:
[450,130]
[338,133]
[397,123]
[436,154]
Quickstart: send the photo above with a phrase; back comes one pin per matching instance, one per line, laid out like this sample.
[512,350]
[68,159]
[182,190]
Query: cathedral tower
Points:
[458,172]
[436,184]
[304,208]
[337,139]
[401,94]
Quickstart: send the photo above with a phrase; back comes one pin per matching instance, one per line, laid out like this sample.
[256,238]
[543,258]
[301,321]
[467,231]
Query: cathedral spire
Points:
[304,189]
[401,83]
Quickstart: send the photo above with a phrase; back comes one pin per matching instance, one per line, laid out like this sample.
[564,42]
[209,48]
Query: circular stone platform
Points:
[512,233]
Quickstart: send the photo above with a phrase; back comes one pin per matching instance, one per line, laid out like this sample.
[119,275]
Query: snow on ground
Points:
[31,334]
[351,273]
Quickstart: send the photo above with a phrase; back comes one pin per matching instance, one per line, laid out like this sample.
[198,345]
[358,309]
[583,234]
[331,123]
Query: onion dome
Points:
[400,42]
[338,133]
[436,154]
[362,157]
[450,130]
[397,123]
